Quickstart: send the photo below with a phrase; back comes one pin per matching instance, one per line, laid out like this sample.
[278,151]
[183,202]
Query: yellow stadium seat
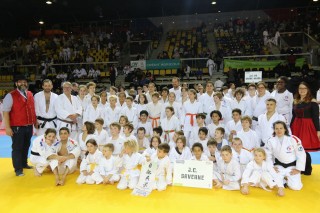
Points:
[168,72]
[162,72]
[205,70]
[32,77]
[173,71]
[155,72]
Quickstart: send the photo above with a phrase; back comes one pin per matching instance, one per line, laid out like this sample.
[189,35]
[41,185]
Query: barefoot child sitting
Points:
[260,173]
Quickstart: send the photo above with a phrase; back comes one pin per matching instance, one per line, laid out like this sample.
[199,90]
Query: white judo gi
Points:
[163,172]
[177,109]
[169,127]
[117,143]
[212,129]
[106,167]
[72,148]
[284,104]
[261,176]
[154,113]
[243,158]
[148,127]
[232,125]
[188,118]
[258,107]
[228,171]
[64,108]
[250,139]
[185,154]
[131,114]
[111,115]
[46,119]
[130,172]
[40,151]
[287,154]
[83,145]
[91,113]
[264,127]
[149,151]
[101,138]
[89,163]
[243,105]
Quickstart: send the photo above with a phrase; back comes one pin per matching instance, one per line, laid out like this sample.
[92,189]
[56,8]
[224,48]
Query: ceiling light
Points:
[213,2]
[48,2]
[315,0]
[41,22]
[219,11]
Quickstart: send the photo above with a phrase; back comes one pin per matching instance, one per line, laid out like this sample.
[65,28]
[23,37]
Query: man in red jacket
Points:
[19,117]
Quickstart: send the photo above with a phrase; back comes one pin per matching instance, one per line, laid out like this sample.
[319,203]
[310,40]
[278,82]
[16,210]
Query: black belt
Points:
[254,118]
[68,122]
[35,153]
[285,165]
[47,120]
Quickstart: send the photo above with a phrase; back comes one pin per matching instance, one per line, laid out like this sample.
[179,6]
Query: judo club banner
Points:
[156,64]
[252,77]
[245,64]
[141,64]
[146,179]
[192,173]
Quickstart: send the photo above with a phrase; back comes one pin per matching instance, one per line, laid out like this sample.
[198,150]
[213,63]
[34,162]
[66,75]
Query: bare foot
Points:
[57,182]
[111,182]
[36,173]
[280,192]
[218,185]
[245,190]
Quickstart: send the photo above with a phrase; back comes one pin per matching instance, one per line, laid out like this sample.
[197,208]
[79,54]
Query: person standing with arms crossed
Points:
[20,116]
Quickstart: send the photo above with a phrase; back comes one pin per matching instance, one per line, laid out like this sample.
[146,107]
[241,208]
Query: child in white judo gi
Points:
[240,154]
[89,162]
[107,171]
[115,138]
[154,143]
[197,152]
[43,153]
[260,173]
[216,118]
[170,124]
[164,168]
[219,137]
[129,160]
[249,137]
[142,140]
[181,151]
[229,173]
[100,133]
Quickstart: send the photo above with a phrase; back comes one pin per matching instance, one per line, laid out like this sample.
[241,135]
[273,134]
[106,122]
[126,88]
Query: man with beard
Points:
[45,111]
[20,116]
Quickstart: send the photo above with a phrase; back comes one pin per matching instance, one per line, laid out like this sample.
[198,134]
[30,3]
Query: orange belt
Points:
[166,136]
[154,121]
[191,118]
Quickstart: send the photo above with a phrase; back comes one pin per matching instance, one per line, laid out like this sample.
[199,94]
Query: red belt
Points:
[166,136]
[191,118]
[154,121]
